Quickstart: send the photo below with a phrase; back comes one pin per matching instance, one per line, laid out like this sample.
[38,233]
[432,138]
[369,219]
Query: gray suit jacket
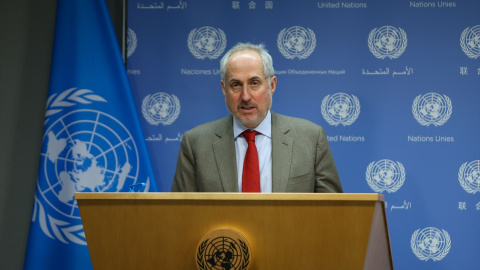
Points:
[301,158]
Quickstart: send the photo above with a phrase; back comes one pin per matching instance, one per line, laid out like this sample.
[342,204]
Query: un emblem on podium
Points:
[223,249]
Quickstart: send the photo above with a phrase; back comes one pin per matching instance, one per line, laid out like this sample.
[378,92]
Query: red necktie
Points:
[251,171]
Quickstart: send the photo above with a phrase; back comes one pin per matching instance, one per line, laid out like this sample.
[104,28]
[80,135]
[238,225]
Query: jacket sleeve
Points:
[326,175]
[185,179]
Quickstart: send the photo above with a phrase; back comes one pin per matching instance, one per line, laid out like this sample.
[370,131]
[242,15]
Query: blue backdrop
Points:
[395,84]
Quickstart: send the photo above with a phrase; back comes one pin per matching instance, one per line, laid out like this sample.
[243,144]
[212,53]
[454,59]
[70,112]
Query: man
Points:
[293,154]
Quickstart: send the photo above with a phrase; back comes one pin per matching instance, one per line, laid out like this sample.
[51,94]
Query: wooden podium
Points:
[284,230]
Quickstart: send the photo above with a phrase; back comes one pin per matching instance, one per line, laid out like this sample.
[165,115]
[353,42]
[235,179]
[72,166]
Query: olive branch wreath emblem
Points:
[463,44]
[52,227]
[305,54]
[418,252]
[371,182]
[201,255]
[379,55]
[438,122]
[352,117]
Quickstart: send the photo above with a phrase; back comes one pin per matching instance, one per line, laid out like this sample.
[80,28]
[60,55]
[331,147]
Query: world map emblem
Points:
[340,108]
[470,41]
[83,151]
[223,249]
[296,42]
[469,176]
[387,42]
[160,108]
[432,108]
[430,244]
[207,42]
[131,42]
[385,175]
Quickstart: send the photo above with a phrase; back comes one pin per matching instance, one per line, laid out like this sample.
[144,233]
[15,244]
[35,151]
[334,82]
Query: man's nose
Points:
[246,93]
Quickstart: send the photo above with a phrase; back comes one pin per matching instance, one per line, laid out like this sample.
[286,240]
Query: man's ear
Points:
[273,84]
[223,87]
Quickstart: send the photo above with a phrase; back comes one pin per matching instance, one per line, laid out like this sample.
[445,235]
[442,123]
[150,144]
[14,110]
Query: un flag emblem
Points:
[84,150]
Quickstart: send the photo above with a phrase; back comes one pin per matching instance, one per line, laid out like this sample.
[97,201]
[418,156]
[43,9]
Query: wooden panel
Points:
[286,231]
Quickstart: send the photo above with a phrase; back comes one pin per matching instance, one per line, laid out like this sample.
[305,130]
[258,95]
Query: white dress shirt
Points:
[263,141]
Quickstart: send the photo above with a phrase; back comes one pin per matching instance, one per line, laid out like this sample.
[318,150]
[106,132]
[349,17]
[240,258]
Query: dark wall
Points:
[26,31]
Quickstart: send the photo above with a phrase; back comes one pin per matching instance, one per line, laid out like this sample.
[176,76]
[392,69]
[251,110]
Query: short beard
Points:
[255,122]
[252,122]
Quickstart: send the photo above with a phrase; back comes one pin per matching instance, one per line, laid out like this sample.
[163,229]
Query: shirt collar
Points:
[265,127]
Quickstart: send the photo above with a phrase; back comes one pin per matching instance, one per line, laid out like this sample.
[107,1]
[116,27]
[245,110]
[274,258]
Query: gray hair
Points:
[260,49]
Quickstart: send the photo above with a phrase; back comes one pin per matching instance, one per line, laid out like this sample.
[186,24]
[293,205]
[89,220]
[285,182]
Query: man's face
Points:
[246,89]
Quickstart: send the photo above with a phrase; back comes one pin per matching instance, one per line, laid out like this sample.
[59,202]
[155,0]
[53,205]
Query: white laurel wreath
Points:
[200,56]
[379,55]
[437,123]
[371,182]
[165,122]
[62,230]
[463,40]
[70,97]
[463,182]
[133,42]
[418,252]
[304,55]
[353,117]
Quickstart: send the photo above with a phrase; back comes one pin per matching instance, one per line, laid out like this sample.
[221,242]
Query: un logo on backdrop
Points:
[385,175]
[430,243]
[131,42]
[387,41]
[469,176]
[297,42]
[470,41]
[432,108]
[160,108]
[207,42]
[340,108]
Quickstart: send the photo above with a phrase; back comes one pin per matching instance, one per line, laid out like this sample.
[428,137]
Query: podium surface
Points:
[284,230]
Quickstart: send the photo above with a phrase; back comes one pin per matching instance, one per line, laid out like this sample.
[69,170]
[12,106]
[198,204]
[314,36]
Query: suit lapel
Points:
[224,152]
[282,146]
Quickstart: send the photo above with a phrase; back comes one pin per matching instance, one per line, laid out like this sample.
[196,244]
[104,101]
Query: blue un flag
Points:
[92,140]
